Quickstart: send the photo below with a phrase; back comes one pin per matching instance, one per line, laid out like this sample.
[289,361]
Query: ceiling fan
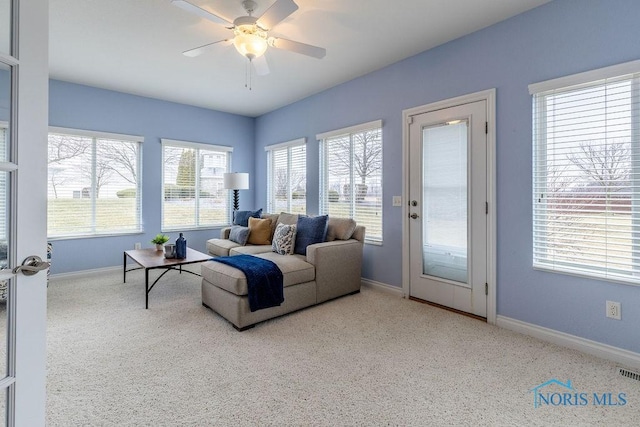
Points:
[251,35]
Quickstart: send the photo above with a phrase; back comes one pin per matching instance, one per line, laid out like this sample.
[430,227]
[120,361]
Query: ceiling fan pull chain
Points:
[246,75]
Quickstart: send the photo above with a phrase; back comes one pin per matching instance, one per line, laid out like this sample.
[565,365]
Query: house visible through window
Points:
[586,192]
[193,186]
[351,176]
[93,184]
[287,177]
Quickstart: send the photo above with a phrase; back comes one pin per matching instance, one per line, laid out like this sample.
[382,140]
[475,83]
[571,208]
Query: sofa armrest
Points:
[338,267]
[224,233]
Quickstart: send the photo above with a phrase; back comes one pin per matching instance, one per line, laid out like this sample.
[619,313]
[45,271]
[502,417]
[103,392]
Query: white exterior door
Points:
[23,177]
[448,207]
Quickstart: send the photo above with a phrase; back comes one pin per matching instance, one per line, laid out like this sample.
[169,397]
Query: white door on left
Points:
[23,179]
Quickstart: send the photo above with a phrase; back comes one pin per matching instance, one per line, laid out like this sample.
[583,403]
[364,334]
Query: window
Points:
[287,177]
[93,184]
[351,176]
[193,186]
[586,163]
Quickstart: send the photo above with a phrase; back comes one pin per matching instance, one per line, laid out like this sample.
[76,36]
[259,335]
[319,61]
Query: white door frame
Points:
[30,112]
[490,97]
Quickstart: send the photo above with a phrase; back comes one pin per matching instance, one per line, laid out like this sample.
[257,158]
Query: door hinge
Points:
[486,128]
[409,120]
[486,289]
[486,208]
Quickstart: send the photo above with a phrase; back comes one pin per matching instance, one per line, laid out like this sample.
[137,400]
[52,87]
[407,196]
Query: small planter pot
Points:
[159,248]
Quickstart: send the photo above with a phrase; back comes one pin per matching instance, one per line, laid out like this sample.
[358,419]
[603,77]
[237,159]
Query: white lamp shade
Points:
[236,181]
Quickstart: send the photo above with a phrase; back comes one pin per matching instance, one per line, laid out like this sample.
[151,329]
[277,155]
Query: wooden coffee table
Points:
[150,259]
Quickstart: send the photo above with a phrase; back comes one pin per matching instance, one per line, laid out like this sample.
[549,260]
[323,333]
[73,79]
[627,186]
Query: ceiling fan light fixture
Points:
[250,41]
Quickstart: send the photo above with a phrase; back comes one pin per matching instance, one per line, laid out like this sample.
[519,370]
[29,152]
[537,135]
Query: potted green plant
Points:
[159,241]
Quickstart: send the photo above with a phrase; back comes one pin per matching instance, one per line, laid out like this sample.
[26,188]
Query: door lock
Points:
[414,203]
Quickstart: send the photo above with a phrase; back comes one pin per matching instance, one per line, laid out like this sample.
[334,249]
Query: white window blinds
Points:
[586,173]
[93,184]
[193,185]
[287,177]
[351,176]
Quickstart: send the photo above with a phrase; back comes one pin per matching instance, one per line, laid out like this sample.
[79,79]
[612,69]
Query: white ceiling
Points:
[135,46]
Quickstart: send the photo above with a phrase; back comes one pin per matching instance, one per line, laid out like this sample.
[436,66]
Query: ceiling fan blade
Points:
[192,8]
[261,66]
[276,13]
[297,47]
[197,51]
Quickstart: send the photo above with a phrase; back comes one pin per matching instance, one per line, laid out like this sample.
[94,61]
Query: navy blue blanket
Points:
[264,279]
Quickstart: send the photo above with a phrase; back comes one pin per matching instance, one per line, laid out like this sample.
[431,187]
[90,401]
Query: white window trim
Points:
[568,84]
[95,134]
[321,137]
[281,145]
[110,136]
[201,145]
[351,129]
[588,77]
[269,149]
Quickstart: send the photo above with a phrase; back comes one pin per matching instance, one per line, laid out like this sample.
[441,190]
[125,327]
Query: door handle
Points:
[414,215]
[31,265]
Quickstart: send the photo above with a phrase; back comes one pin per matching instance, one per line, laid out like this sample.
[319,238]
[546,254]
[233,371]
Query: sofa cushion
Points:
[221,247]
[242,217]
[284,239]
[340,228]
[239,234]
[310,230]
[250,249]
[260,231]
[295,270]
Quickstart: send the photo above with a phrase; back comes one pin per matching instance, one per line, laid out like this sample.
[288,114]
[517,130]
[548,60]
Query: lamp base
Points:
[236,200]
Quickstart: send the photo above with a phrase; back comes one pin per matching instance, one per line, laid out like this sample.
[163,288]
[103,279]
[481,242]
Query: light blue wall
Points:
[557,39]
[83,107]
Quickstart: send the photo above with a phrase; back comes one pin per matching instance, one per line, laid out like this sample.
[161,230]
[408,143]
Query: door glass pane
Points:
[5,110]
[5,27]
[4,264]
[444,211]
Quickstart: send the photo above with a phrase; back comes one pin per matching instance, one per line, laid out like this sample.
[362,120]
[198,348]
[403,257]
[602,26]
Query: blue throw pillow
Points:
[242,217]
[239,234]
[310,230]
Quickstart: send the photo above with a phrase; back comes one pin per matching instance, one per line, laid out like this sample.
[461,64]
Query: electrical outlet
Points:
[613,310]
[137,246]
[397,200]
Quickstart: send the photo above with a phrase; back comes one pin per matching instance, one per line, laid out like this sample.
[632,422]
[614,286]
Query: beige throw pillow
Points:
[259,231]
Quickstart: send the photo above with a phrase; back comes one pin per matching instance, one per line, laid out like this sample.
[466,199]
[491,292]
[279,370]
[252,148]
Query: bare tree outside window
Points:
[591,181]
[367,160]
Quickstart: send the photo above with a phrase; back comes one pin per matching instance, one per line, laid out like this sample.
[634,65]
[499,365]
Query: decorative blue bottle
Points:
[181,247]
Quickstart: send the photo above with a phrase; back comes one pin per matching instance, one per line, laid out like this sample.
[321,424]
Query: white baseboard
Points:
[396,291]
[85,273]
[619,355]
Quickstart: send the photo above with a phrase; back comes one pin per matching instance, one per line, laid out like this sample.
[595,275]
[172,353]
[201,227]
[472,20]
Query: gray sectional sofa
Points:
[328,270]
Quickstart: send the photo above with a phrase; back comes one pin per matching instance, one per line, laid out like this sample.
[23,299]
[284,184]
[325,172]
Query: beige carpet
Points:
[368,359]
